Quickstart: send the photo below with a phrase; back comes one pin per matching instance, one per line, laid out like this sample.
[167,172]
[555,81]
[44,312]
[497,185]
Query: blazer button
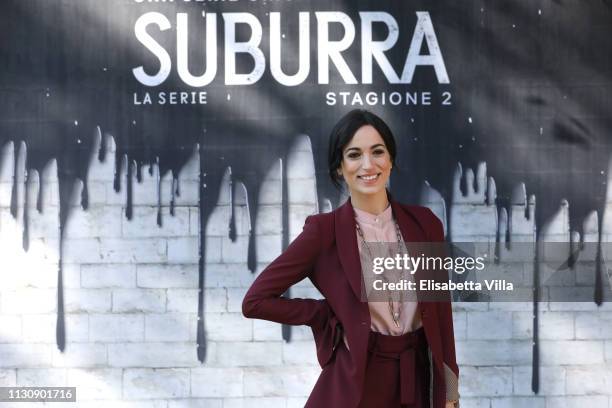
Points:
[363,323]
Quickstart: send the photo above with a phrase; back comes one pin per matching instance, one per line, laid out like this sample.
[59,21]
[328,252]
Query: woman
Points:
[373,354]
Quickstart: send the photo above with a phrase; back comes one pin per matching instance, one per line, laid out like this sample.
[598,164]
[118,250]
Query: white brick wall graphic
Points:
[131,297]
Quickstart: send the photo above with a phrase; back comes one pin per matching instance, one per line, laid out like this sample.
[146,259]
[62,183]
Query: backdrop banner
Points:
[503,106]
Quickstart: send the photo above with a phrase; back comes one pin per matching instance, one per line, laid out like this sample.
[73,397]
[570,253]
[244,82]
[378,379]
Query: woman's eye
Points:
[378,152]
[353,155]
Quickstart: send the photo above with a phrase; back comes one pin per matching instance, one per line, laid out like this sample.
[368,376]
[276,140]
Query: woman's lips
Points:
[370,178]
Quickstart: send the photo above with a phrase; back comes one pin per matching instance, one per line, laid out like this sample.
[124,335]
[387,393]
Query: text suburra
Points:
[328,51]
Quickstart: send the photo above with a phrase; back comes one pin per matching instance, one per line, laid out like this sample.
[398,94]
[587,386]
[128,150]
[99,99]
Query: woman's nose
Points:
[367,161]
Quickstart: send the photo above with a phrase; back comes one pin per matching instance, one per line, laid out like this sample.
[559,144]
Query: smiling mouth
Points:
[371,177]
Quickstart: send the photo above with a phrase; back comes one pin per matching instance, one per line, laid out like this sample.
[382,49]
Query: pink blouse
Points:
[381,228]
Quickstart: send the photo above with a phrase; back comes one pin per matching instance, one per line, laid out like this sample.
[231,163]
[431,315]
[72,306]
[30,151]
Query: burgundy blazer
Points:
[326,252]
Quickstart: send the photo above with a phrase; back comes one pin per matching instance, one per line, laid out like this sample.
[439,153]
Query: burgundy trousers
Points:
[397,374]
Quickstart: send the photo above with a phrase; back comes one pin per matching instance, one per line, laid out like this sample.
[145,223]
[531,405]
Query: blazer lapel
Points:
[346,241]
[411,230]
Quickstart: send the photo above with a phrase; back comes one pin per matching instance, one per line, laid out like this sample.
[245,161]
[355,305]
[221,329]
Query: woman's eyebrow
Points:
[371,147]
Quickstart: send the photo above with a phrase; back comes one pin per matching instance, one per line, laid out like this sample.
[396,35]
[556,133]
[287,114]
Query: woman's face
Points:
[366,162]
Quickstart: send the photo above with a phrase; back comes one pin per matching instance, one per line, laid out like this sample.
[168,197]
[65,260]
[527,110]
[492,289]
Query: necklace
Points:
[395,315]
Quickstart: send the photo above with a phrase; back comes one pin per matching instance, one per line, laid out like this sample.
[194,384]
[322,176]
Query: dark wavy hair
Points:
[343,132]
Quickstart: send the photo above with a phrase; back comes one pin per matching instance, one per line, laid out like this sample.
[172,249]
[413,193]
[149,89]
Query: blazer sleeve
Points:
[445,315]
[264,298]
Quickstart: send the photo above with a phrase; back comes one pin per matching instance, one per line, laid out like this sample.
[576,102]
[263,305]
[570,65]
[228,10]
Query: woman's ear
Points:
[339,171]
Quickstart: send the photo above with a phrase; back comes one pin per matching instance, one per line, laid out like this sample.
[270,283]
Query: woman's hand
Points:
[450,404]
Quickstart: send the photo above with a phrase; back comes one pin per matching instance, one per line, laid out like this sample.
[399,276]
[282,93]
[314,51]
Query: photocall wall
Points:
[156,155]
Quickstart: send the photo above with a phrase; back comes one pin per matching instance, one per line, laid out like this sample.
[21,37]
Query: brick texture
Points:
[131,299]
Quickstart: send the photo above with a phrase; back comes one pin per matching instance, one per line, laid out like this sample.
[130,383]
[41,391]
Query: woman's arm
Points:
[263,300]
[451,370]
[445,315]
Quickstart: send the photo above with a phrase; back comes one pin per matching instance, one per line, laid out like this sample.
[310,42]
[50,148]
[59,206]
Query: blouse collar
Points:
[364,217]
